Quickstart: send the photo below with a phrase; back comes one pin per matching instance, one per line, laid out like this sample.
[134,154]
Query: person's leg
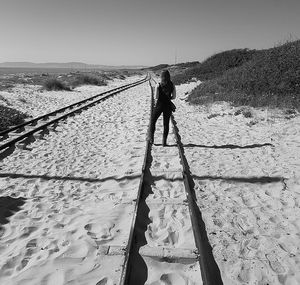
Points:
[156,113]
[167,115]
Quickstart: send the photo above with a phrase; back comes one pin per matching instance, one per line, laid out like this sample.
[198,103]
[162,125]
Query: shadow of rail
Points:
[253,179]
[228,146]
[68,178]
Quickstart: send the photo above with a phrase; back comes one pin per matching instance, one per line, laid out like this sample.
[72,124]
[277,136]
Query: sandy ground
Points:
[247,181]
[170,228]
[34,101]
[79,183]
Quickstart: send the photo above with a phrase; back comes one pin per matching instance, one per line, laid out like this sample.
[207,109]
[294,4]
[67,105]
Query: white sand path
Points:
[79,183]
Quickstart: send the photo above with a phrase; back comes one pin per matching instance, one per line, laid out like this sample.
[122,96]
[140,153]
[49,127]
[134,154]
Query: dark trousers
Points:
[160,108]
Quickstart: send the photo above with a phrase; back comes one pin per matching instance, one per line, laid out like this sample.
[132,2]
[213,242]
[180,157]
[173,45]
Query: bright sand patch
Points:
[79,183]
[247,190]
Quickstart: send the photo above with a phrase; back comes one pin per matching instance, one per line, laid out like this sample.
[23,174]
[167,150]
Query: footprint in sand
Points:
[23,264]
[167,279]
[100,232]
[105,281]
[31,243]
[172,279]
[244,224]
[27,231]
[275,264]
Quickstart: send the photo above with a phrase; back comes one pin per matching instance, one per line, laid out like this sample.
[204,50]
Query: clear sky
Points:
[140,32]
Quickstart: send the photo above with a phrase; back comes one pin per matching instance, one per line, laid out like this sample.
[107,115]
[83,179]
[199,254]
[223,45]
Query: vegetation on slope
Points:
[271,77]
[9,117]
[54,84]
[85,79]
[215,65]
[64,80]
[175,69]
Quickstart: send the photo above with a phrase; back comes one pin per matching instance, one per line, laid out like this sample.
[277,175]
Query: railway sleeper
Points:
[170,254]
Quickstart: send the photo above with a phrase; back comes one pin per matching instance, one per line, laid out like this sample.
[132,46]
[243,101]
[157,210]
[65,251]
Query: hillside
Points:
[267,77]
[215,65]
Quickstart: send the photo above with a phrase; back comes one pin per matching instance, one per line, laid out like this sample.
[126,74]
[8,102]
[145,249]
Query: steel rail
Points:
[130,244]
[209,276]
[34,120]
[112,92]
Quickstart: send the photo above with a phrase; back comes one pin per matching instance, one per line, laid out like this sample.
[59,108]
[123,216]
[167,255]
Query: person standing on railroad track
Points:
[164,92]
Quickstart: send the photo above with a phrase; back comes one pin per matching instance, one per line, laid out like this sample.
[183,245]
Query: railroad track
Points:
[134,270]
[10,137]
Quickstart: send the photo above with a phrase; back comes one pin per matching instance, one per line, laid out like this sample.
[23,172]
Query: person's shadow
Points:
[227,146]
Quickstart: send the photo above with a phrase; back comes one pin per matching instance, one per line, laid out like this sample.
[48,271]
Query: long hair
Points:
[166,82]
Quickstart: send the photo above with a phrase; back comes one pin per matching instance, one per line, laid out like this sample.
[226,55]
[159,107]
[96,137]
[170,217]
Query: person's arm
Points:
[156,92]
[174,92]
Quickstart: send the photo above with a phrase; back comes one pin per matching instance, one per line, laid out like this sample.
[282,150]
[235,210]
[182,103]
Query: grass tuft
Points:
[245,112]
[55,85]
[84,79]
[10,117]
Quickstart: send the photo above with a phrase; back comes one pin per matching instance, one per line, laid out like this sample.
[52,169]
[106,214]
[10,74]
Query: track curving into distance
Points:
[15,134]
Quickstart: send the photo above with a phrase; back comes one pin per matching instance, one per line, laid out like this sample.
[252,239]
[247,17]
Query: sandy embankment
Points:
[79,183]
[247,181]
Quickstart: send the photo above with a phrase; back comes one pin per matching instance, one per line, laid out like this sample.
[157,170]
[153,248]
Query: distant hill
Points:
[67,65]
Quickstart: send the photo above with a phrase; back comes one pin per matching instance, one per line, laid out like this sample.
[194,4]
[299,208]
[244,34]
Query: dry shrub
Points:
[271,78]
[55,85]
[88,80]
[9,117]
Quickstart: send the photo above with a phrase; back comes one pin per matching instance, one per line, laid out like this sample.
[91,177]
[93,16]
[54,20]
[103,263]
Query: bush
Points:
[245,112]
[9,117]
[215,65]
[88,80]
[55,85]
[271,78]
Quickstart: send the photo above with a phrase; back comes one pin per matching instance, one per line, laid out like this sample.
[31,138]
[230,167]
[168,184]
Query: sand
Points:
[247,182]
[79,183]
